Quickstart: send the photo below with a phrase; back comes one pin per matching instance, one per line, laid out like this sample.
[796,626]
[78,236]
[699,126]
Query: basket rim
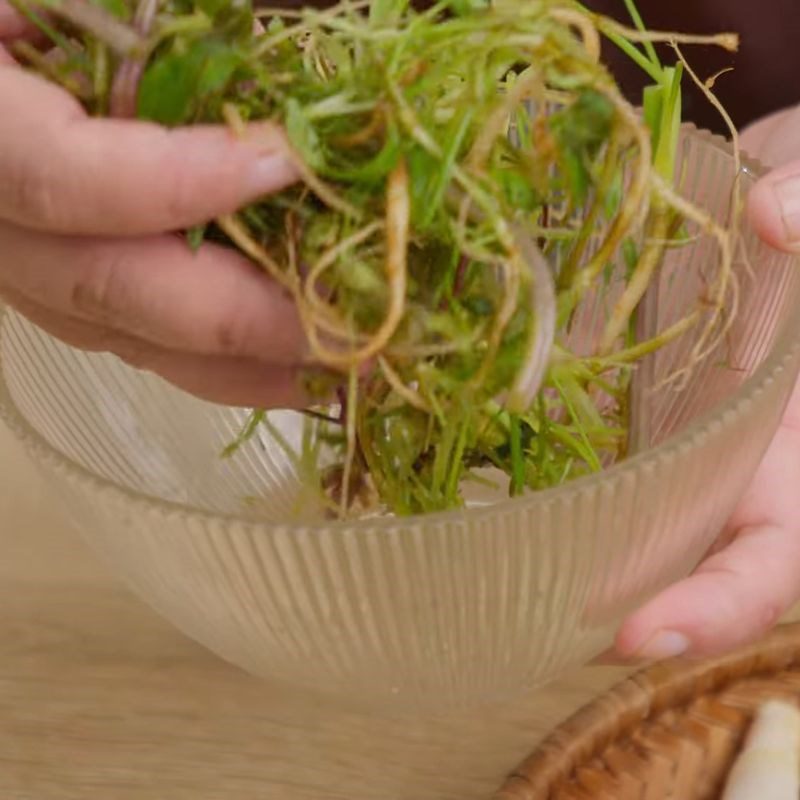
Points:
[617,712]
[723,415]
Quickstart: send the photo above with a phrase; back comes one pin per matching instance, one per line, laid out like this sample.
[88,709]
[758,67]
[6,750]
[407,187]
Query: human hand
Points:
[87,207]
[743,588]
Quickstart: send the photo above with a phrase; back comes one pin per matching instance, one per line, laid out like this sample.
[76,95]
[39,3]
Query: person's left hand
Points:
[88,252]
[742,590]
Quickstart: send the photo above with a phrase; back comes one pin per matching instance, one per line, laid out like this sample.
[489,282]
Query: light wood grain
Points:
[102,700]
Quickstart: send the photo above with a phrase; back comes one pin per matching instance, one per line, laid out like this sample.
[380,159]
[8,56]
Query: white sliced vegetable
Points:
[768,768]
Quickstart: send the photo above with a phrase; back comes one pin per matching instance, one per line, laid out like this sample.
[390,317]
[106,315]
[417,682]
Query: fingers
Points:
[63,172]
[741,591]
[774,203]
[774,208]
[231,381]
[213,302]
[742,588]
[736,596]
[208,323]
[12,24]
[755,138]
[781,141]
[239,382]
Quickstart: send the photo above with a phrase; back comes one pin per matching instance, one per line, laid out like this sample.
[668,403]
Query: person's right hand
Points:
[86,253]
[752,576]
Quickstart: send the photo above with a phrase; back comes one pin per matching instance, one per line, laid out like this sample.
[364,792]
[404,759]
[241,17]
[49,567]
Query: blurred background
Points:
[759,85]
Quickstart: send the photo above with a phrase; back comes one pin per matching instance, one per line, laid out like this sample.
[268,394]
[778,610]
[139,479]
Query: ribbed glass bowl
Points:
[431,612]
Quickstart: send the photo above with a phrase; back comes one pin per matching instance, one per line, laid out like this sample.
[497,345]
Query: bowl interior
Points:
[132,429]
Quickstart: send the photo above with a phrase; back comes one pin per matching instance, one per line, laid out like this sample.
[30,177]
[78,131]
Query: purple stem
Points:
[460,276]
[341,394]
[458,281]
[545,224]
[126,81]
[125,89]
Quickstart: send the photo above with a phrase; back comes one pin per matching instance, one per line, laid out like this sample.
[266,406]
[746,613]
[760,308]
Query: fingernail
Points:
[787,193]
[270,173]
[272,168]
[661,646]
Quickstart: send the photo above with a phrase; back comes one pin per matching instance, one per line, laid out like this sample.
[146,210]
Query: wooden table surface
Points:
[102,700]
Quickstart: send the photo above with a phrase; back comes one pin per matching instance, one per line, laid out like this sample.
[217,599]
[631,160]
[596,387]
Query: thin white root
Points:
[588,31]
[706,88]
[637,202]
[707,341]
[322,190]
[398,220]
[329,259]
[727,41]
[494,126]
[414,399]
[234,119]
[638,284]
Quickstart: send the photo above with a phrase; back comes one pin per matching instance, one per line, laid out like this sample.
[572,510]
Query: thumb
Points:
[12,24]
[730,601]
[774,208]
[774,203]
[740,591]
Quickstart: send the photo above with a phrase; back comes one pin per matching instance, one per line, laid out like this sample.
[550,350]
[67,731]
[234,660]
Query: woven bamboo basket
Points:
[670,732]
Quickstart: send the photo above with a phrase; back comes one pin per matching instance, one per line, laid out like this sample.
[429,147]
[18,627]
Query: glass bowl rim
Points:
[724,413]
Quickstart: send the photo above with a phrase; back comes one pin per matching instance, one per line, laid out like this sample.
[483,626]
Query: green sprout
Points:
[472,179]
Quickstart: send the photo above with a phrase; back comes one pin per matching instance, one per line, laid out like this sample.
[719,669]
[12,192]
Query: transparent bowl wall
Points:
[447,610]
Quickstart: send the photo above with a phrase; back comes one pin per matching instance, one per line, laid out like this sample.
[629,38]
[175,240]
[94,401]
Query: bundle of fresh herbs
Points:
[472,175]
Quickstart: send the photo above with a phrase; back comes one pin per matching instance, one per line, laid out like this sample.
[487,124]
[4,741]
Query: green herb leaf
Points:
[384,12]
[176,85]
[464,7]
[585,125]
[360,276]
[518,191]
[581,129]
[630,253]
[256,419]
[373,170]
[195,237]
[302,135]
[423,169]
[166,92]
[212,8]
